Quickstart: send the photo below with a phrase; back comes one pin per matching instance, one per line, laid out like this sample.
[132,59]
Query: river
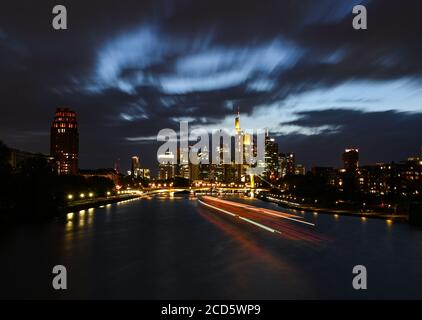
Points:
[176,248]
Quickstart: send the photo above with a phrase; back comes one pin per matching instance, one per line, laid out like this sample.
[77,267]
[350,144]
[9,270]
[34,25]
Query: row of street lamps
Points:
[82,195]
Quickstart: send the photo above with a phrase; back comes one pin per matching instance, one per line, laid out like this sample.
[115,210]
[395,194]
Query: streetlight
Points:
[70,196]
[90,194]
[82,195]
[108,193]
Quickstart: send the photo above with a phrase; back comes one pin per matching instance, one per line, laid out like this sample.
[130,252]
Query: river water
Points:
[175,248]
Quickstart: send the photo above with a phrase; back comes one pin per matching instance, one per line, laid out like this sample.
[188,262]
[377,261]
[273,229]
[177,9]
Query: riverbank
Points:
[37,217]
[304,207]
[95,203]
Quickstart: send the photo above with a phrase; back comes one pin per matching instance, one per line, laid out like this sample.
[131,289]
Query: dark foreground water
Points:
[177,249]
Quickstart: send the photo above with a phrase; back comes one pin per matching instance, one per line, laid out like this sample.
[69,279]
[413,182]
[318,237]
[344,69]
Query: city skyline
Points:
[64,146]
[355,88]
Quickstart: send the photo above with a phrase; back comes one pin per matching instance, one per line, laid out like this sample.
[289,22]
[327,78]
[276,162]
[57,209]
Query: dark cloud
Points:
[381,136]
[130,68]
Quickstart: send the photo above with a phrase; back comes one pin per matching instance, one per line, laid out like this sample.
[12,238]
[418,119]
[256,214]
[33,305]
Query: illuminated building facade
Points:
[271,159]
[135,166]
[243,150]
[403,179]
[183,169]
[167,166]
[287,164]
[351,159]
[144,173]
[65,141]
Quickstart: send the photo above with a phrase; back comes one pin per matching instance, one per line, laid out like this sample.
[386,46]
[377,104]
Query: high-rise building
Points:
[183,169]
[65,141]
[193,168]
[244,149]
[271,158]
[204,172]
[144,173]
[351,159]
[221,154]
[286,164]
[167,165]
[135,166]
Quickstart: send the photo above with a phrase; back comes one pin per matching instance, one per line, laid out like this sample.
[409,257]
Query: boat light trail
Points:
[274,221]
[242,218]
[262,210]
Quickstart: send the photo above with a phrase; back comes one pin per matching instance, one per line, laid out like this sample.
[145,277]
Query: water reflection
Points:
[193,248]
[260,252]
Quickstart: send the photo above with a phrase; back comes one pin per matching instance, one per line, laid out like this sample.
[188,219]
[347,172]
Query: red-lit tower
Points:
[65,141]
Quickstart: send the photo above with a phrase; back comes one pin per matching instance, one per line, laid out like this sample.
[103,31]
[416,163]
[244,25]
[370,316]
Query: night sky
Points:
[130,68]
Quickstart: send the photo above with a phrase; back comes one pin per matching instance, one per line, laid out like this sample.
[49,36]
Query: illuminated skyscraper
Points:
[183,169]
[65,141]
[351,159]
[167,165]
[286,164]
[271,158]
[243,149]
[135,166]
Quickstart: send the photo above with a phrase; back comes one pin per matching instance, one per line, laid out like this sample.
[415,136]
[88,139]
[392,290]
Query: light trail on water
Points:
[269,220]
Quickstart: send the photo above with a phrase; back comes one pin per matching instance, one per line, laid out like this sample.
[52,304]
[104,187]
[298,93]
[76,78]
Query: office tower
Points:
[193,168]
[183,169]
[271,158]
[135,166]
[286,164]
[243,149]
[144,173]
[238,147]
[204,165]
[65,141]
[351,159]
[167,166]
[221,154]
